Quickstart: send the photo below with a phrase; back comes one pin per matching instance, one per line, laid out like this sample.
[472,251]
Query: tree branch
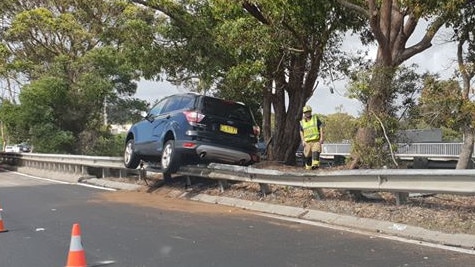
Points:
[387,138]
[354,7]
[255,11]
[424,43]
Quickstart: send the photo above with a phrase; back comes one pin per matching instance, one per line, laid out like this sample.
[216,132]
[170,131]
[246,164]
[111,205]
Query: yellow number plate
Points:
[228,129]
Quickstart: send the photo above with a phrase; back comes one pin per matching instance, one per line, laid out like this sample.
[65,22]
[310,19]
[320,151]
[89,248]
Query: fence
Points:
[405,149]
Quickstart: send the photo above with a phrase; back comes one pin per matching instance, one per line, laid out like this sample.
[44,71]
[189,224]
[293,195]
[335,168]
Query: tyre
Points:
[169,160]
[131,159]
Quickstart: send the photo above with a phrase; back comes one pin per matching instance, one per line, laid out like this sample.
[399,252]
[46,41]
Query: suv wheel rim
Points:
[128,152]
[166,157]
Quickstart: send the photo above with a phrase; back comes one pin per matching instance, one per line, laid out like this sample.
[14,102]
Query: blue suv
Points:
[191,128]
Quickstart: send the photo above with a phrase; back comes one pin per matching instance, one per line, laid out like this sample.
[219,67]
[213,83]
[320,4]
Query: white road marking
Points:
[62,182]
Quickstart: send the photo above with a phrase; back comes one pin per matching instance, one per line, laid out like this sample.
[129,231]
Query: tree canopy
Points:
[77,62]
[69,57]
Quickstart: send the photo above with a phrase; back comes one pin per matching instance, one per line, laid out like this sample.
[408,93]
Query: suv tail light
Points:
[193,116]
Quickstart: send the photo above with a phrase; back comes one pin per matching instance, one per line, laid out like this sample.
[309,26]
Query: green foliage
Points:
[110,145]
[381,131]
[392,28]
[102,143]
[401,93]
[15,129]
[450,135]
[441,103]
[126,111]
[339,127]
[47,138]
[74,56]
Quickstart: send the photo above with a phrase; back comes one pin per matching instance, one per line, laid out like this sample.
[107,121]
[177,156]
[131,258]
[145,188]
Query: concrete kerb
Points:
[110,184]
[368,225]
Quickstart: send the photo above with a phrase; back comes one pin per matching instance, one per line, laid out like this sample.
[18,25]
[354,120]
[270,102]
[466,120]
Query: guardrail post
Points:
[142,174]
[265,189]
[401,198]
[188,182]
[84,170]
[105,172]
[223,184]
[122,173]
[318,194]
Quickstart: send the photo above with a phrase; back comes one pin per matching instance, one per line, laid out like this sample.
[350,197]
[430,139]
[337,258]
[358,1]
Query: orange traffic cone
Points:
[2,227]
[76,256]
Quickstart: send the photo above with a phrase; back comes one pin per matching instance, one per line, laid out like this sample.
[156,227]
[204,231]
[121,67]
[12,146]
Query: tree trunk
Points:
[465,157]
[298,88]
[266,116]
[285,137]
[377,110]
[288,137]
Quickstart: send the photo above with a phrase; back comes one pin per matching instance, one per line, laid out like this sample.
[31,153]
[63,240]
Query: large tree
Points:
[275,50]
[464,26]
[391,23]
[75,45]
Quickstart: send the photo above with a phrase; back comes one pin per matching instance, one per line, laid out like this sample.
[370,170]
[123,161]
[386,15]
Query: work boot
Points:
[315,164]
[308,163]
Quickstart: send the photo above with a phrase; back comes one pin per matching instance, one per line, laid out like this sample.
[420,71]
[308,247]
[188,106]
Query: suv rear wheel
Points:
[169,160]
[131,159]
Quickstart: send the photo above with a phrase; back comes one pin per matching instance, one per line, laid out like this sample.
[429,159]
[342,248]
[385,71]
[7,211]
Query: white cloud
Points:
[153,90]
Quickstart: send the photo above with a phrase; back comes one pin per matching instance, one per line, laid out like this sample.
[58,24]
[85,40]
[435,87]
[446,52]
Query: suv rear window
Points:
[226,109]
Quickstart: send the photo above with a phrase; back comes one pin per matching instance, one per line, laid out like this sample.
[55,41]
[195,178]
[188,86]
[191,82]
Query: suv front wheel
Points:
[131,159]
[169,160]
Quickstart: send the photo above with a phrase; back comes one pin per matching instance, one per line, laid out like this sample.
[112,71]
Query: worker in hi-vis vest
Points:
[311,133]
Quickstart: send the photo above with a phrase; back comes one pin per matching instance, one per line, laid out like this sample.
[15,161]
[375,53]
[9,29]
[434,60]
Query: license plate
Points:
[228,129]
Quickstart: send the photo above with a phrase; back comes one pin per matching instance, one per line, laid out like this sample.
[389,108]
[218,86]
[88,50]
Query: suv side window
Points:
[157,109]
[187,102]
[173,104]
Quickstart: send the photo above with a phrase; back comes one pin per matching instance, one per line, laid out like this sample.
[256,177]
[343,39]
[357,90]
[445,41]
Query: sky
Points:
[437,59]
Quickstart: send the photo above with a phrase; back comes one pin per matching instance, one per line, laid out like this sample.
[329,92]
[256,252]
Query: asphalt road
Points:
[39,215]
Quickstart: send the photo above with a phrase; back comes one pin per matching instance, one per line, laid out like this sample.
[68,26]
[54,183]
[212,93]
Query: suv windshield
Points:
[226,109]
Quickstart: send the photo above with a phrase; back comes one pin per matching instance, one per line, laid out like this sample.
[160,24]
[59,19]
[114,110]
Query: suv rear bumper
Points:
[206,152]
[213,153]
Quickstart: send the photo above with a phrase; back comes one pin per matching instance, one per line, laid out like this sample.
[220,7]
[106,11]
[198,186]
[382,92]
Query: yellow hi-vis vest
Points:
[310,129]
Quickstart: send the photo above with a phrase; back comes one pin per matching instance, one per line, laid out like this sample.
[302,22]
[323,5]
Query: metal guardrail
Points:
[389,180]
[76,164]
[92,161]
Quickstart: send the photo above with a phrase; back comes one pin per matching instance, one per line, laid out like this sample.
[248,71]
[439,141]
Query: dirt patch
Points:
[169,199]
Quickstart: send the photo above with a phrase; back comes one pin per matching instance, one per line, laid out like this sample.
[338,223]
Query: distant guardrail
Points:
[75,164]
[405,150]
[399,181]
